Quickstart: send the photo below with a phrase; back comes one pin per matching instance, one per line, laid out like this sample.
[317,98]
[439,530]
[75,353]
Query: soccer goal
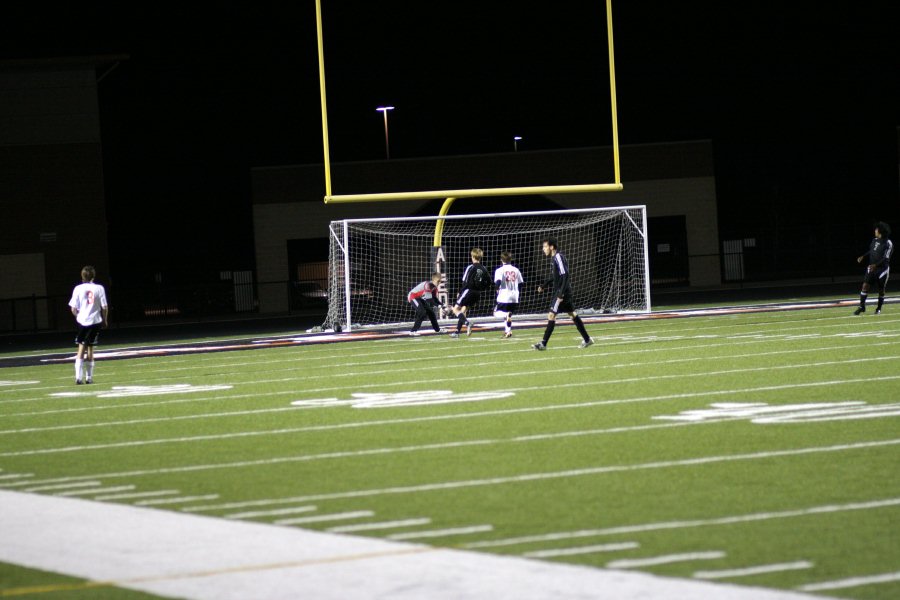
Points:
[375,262]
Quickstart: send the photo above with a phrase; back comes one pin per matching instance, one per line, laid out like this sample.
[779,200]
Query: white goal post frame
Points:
[343,243]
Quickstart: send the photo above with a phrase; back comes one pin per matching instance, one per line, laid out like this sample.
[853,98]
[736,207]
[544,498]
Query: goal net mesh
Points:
[385,258]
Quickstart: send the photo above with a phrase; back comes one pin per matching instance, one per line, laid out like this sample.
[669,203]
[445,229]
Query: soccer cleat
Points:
[507,335]
[586,343]
[78,382]
[468,329]
[89,380]
[454,334]
[859,310]
[539,346]
[877,311]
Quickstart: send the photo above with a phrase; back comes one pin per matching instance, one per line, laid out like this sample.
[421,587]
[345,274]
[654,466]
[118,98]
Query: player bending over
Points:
[562,295]
[475,279]
[91,312]
[423,298]
[879,269]
[508,280]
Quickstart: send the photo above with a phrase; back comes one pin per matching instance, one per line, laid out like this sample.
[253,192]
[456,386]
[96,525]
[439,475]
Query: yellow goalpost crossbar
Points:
[331,198]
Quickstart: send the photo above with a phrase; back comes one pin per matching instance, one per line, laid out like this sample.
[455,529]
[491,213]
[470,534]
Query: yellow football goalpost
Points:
[450,195]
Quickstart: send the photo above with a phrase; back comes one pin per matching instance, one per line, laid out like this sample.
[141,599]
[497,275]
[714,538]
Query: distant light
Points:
[385,108]
[517,138]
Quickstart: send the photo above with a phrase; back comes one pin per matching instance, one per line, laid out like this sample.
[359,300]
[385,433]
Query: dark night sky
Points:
[802,102]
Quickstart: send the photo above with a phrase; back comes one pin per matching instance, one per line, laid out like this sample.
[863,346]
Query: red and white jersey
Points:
[508,278]
[424,291]
[88,299]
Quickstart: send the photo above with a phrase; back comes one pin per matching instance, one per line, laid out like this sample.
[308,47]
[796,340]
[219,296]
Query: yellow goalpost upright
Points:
[331,198]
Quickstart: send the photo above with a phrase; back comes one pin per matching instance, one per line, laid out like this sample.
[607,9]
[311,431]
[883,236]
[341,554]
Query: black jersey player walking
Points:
[562,295]
[879,269]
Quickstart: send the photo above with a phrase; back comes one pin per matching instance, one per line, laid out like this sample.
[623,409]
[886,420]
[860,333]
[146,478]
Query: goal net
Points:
[375,262]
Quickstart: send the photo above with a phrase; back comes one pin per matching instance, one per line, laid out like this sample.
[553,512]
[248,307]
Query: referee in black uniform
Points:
[562,296]
[879,269]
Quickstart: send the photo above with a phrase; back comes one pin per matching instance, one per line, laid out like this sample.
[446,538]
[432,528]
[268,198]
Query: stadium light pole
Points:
[516,143]
[387,145]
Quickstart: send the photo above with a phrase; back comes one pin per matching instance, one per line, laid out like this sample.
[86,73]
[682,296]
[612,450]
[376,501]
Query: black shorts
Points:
[88,334]
[468,298]
[563,304]
[878,277]
[507,307]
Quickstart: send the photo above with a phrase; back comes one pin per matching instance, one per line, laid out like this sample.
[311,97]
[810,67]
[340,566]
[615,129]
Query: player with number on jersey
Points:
[508,280]
[91,312]
[476,279]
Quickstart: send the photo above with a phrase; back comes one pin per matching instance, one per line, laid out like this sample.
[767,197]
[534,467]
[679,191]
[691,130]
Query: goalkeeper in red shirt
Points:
[423,298]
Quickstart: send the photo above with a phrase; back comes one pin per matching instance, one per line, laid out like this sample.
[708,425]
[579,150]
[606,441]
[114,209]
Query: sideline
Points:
[204,558]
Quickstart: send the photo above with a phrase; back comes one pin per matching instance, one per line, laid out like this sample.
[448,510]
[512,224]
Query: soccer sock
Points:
[508,326]
[862,299]
[90,370]
[549,331]
[579,324]
[78,369]
[880,301]
[461,321]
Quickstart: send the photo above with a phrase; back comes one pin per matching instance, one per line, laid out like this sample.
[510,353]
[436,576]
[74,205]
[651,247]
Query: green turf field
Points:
[759,449]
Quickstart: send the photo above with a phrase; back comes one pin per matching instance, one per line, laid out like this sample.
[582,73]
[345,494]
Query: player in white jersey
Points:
[508,280]
[89,307]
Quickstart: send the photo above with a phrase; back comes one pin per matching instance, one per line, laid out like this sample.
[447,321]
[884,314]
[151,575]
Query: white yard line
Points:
[850,583]
[271,513]
[137,495]
[144,549]
[179,500]
[635,563]
[757,570]
[344,516]
[467,355]
[664,525]
[382,525]
[435,533]
[63,486]
[96,490]
[555,552]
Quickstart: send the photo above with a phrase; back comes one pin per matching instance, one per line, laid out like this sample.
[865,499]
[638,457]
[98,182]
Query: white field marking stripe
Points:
[271,513]
[581,550]
[96,490]
[176,500]
[851,582]
[758,570]
[12,383]
[357,514]
[602,470]
[223,397]
[665,525]
[62,486]
[16,475]
[417,535]
[590,356]
[407,351]
[577,405]
[479,377]
[138,495]
[377,526]
[634,563]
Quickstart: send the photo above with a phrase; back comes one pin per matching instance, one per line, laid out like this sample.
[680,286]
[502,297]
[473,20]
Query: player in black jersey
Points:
[562,295]
[879,269]
[475,279]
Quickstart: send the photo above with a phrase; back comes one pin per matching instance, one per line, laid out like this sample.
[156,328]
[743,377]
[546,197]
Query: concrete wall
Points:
[51,174]
[671,179]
